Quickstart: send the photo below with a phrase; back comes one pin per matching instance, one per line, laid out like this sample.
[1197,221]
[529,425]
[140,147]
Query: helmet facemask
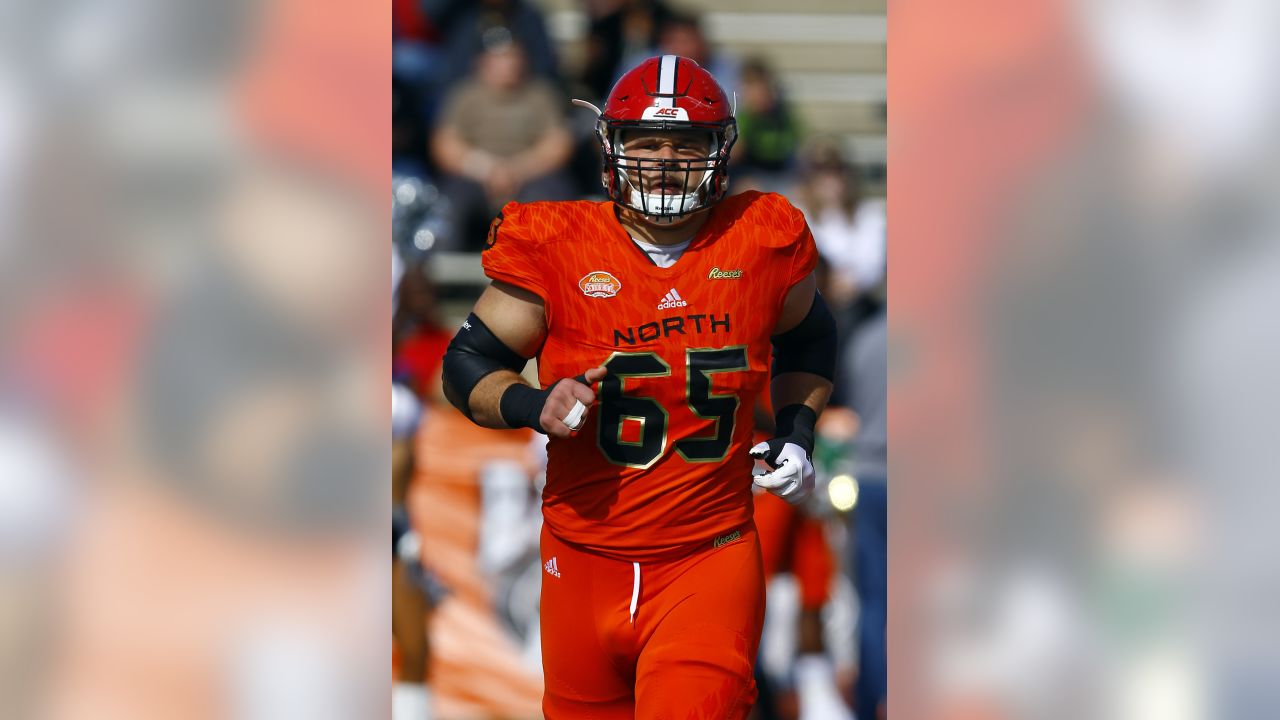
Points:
[665,190]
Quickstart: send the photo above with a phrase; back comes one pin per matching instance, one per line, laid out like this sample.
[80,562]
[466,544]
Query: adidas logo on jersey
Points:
[552,567]
[672,300]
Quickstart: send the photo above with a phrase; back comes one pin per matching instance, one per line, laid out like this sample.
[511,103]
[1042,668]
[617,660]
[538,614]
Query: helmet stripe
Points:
[667,80]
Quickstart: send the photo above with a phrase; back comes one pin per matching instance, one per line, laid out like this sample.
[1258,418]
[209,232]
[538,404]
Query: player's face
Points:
[672,162]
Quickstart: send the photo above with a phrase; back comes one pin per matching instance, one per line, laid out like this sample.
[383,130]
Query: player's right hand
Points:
[562,403]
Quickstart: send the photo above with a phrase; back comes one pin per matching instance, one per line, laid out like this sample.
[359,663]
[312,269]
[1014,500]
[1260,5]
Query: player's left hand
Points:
[793,477]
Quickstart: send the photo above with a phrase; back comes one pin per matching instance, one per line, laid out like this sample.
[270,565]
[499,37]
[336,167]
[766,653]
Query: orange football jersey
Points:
[661,461]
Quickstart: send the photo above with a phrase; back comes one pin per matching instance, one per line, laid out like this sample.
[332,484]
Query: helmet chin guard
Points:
[666,93]
[661,207]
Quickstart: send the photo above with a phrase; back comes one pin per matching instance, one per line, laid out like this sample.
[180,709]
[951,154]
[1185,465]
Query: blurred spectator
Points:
[409,23]
[410,696]
[501,137]
[435,43]
[865,366]
[682,35]
[793,542]
[848,228]
[768,134]
[418,76]
[415,590]
[469,27]
[623,29]
[418,337]
[409,127]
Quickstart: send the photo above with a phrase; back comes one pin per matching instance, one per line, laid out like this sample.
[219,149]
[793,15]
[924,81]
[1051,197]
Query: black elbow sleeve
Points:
[474,353]
[810,346]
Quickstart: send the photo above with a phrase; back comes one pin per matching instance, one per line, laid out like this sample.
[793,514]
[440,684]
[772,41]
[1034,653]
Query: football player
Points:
[657,317]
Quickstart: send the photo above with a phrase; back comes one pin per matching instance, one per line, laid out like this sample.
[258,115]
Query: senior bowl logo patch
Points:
[599,284]
[493,232]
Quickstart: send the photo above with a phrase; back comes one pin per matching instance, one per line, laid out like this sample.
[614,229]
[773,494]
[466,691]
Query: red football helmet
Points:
[666,93]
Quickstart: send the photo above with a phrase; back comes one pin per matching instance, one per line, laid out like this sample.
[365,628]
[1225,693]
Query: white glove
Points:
[793,477]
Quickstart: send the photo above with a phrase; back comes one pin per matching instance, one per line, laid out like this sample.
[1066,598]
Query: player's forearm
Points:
[486,399]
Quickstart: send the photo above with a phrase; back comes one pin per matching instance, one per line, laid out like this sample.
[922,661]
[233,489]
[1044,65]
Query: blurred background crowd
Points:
[481,116]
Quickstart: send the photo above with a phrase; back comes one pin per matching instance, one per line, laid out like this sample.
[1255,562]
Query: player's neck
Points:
[654,234]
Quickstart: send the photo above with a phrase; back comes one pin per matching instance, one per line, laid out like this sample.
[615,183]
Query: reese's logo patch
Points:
[726,539]
[599,284]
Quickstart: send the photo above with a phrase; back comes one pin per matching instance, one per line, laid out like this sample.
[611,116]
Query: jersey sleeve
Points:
[512,254]
[805,256]
[803,249]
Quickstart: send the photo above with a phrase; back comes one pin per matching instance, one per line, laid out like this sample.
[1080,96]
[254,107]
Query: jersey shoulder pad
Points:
[779,230]
[512,250]
[536,223]
[774,221]
[515,250]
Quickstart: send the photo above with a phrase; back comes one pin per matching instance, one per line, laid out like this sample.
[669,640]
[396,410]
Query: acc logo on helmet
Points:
[665,113]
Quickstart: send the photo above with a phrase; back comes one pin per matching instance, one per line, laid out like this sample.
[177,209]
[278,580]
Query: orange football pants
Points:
[655,640]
